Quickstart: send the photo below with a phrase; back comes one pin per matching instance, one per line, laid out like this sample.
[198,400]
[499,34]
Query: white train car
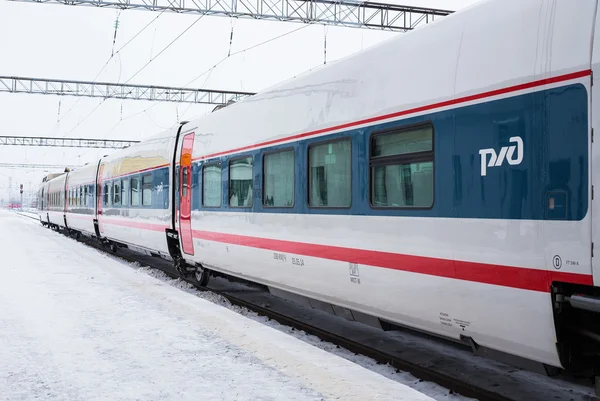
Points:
[442,180]
[80,210]
[55,201]
[135,194]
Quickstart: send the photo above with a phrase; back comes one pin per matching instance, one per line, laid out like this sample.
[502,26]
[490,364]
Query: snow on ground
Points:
[430,389]
[76,324]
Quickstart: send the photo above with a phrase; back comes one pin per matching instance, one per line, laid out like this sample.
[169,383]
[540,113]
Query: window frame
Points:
[324,142]
[208,164]
[116,183]
[137,179]
[141,187]
[416,157]
[185,189]
[105,193]
[251,156]
[126,179]
[272,152]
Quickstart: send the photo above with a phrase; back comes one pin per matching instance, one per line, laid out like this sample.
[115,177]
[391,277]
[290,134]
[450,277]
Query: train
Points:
[442,181]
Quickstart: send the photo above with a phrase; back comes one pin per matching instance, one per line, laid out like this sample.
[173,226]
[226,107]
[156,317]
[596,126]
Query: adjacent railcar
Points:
[135,203]
[441,180]
[80,207]
[54,201]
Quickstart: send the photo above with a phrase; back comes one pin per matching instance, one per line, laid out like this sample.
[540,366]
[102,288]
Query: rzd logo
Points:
[506,152]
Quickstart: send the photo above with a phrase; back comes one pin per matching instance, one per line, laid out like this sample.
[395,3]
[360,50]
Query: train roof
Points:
[466,53]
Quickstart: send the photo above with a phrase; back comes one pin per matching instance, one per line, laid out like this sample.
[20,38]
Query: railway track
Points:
[484,388]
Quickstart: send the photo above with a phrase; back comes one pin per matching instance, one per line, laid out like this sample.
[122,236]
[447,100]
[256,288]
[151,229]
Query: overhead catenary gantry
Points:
[65,142]
[38,166]
[108,90]
[355,14]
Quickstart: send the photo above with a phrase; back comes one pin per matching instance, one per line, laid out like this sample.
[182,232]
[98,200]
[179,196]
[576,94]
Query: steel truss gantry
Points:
[42,166]
[108,90]
[65,142]
[348,13]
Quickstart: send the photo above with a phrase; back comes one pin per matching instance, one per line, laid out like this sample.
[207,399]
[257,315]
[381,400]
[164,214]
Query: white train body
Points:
[441,180]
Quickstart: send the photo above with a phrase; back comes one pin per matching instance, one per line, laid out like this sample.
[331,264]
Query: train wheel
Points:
[202,275]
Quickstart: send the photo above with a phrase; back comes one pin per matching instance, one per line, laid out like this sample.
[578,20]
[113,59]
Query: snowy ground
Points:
[76,324]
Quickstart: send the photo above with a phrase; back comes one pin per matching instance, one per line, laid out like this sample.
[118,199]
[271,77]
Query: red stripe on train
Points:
[134,224]
[507,276]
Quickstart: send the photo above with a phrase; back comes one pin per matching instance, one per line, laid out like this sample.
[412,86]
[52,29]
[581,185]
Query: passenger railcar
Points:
[441,180]
[80,199]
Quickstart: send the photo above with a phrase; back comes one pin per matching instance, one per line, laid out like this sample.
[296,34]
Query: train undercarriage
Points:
[577,321]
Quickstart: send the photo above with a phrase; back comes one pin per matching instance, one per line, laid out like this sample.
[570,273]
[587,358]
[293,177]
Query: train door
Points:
[594,164]
[185,194]
[99,228]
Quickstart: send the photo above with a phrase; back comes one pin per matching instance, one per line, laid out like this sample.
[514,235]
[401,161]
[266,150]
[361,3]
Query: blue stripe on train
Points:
[553,125]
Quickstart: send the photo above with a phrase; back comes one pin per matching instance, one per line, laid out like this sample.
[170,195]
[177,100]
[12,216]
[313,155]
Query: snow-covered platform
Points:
[76,324]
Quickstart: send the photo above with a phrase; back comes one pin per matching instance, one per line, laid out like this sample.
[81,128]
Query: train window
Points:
[125,192]
[147,190]
[85,195]
[240,182]
[402,168]
[81,196]
[278,179]
[212,188]
[184,182]
[135,194]
[105,195]
[330,174]
[117,193]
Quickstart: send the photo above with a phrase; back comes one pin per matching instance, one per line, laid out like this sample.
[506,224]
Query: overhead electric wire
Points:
[140,70]
[208,71]
[165,48]
[108,61]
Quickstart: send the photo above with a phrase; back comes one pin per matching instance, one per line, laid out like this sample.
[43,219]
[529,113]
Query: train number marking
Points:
[445,319]
[354,273]
[279,256]
[298,261]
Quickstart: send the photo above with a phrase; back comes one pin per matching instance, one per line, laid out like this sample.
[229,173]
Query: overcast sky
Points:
[74,43]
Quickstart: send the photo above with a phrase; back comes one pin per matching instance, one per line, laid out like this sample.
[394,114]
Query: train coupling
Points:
[581,301]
